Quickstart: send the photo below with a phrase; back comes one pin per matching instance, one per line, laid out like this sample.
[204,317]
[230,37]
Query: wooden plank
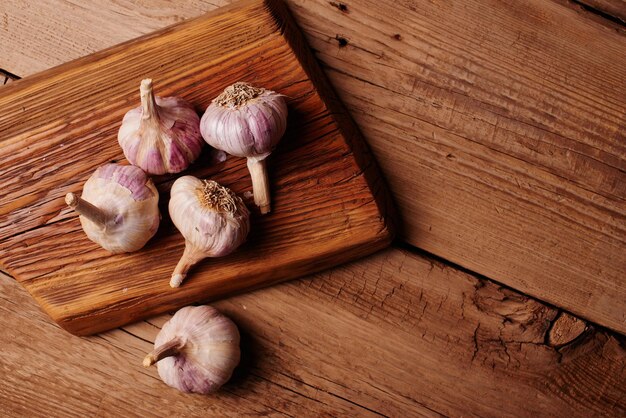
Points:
[396,334]
[329,205]
[506,156]
[500,132]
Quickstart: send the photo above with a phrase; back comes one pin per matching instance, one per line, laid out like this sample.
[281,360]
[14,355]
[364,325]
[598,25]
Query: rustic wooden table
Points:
[500,126]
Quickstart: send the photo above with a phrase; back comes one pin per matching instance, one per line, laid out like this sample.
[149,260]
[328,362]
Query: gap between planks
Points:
[6,77]
[613,11]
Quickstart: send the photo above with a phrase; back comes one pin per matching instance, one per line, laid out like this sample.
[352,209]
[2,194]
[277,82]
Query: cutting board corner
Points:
[330,203]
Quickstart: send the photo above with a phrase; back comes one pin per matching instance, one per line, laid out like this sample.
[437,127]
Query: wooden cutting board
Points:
[56,127]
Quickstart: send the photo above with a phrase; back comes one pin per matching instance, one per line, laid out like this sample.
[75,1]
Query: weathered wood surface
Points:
[499,124]
[395,296]
[503,140]
[396,334]
[329,205]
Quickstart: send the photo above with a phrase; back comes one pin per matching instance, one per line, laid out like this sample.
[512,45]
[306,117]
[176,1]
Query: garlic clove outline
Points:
[162,135]
[119,208]
[196,350]
[213,220]
[247,121]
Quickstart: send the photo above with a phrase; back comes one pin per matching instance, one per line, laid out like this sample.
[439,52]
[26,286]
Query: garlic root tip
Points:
[177,279]
[149,360]
[260,184]
[146,84]
[71,200]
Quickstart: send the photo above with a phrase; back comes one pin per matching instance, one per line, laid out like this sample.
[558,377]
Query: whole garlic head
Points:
[162,135]
[212,218]
[197,350]
[247,121]
[119,208]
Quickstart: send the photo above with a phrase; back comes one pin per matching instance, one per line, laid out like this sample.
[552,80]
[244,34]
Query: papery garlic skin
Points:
[162,135]
[119,208]
[212,218]
[245,127]
[246,121]
[197,350]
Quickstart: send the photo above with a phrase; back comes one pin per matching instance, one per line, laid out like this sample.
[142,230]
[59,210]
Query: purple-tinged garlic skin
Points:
[247,121]
[248,129]
[162,135]
[197,350]
[212,218]
[130,177]
[119,208]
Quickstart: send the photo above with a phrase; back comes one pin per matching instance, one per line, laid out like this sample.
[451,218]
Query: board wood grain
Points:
[498,124]
[394,334]
[58,126]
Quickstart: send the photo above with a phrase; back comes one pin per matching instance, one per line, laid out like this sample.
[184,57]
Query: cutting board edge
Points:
[70,324]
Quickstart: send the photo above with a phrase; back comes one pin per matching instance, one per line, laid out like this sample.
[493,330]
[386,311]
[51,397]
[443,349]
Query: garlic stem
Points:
[191,256]
[260,183]
[148,104]
[89,211]
[170,348]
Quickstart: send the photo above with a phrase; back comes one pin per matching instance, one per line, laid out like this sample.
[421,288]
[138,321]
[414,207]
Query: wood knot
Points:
[341,6]
[342,41]
[565,329]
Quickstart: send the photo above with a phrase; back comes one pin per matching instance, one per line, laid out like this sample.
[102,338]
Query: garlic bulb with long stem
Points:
[247,121]
[212,218]
[196,350]
[119,208]
[162,135]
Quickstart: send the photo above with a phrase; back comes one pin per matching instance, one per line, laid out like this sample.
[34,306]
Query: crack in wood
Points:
[332,394]
[8,75]
[123,329]
[603,13]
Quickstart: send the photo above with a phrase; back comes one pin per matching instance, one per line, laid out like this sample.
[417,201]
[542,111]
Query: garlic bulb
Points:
[119,208]
[212,218]
[162,135]
[246,121]
[197,350]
